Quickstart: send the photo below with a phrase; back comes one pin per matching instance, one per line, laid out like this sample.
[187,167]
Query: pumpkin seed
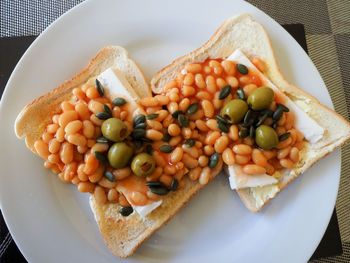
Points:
[174,184]
[99,88]
[277,115]
[138,144]
[263,118]
[110,177]
[274,125]
[149,149]
[267,111]
[213,160]
[284,108]
[251,132]
[183,121]
[138,133]
[190,142]
[102,139]
[240,93]
[101,157]
[248,117]
[126,210]
[119,101]
[166,148]
[159,190]
[242,69]
[192,108]
[224,92]
[141,126]
[107,109]
[222,126]
[103,115]
[176,113]
[154,183]
[146,140]
[219,118]
[139,119]
[152,116]
[166,137]
[243,133]
[284,136]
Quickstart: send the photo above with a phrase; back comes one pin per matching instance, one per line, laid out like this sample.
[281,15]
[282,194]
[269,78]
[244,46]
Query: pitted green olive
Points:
[260,98]
[234,110]
[143,164]
[266,137]
[119,155]
[114,130]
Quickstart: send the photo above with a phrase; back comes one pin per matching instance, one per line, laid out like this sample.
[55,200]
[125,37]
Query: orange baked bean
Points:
[188,91]
[232,81]
[294,154]
[204,176]
[203,160]
[186,133]
[242,149]
[229,67]
[193,68]
[193,151]
[162,100]
[269,154]
[82,110]
[172,107]
[155,175]
[269,169]
[221,144]
[91,164]
[242,159]
[66,152]
[123,201]
[189,161]
[66,117]
[77,139]
[208,108]
[120,174]
[209,150]
[228,157]
[284,144]
[42,149]
[259,158]
[199,80]
[174,129]
[203,95]
[95,106]
[287,163]
[154,124]
[211,84]
[283,153]
[54,146]
[233,133]
[253,169]
[195,173]
[249,89]
[73,127]
[99,147]
[166,179]
[47,137]
[212,124]
[212,137]
[113,195]
[176,155]
[154,135]
[175,141]
[197,115]
[138,198]
[189,79]
[169,169]
[92,93]
[66,106]
[52,128]
[96,120]
[220,82]
[86,187]
[53,158]
[201,125]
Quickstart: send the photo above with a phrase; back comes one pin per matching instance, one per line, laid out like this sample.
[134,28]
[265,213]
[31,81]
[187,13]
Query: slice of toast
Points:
[244,33]
[121,234]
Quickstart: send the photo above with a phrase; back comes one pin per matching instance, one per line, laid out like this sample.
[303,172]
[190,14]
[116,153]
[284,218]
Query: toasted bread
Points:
[243,32]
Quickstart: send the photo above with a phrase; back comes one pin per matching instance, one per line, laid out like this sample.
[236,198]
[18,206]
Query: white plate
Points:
[51,221]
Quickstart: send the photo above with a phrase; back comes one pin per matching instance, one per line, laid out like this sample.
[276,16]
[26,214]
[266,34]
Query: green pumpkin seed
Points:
[219,118]
[146,140]
[274,125]
[222,126]
[183,121]
[159,190]
[119,101]
[166,137]
[224,92]
[251,132]
[267,111]
[138,144]
[284,136]
[277,115]
[152,116]
[263,118]
[103,115]
[284,108]
[240,93]
[190,142]
[99,88]
[107,109]
[248,117]
[213,160]
[138,133]
[149,149]
[242,69]
[174,184]
[176,113]
[243,133]
[126,210]
[166,148]
[102,139]
[110,177]
[154,183]
[101,157]
[192,109]
[139,119]
[141,126]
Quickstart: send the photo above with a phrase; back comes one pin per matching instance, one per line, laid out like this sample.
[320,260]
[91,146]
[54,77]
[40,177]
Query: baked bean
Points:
[80,171]
[154,124]
[92,93]
[66,106]
[293,135]
[195,173]
[300,136]
[95,106]
[91,164]
[170,85]
[193,68]
[66,152]
[209,150]
[244,80]
[208,108]
[284,144]
[294,154]
[90,143]
[268,121]
[258,63]
[249,89]
[253,169]
[47,137]
[203,95]
[174,96]
[188,91]
[269,169]
[212,124]
[186,133]
[172,107]
[167,121]
[96,120]
[123,115]
[269,154]
[169,169]
[113,196]
[259,158]
[175,141]
[218,104]
[97,175]
[162,100]
[221,144]
[283,153]
[52,128]
[220,82]
[104,182]
[299,145]
[138,198]
[212,137]
[282,120]
[242,149]
[153,196]
[88,129]
[280,130]
[242,159]
[166,179]
[48,164]
[155,175]
[73,127]
[233,133]
[162,114]
[204,176]
[159,159]
[70,171]
[273,106]
[228,157]
[287,163]
[54,158]
[78,157]
[229,67]
[174,129]
[60,134]
[207,70]
[179,174]
[116,112]
[176,155]
[184,104]
[99,147]
[77,139]
[248,141]
[197,115]
[232,81]
[154,135]
[120,174]
[66,117]
[82,110]
[79,94]
[179,165]
[189,161]
[211,84]
[193,151]
[86,187]
[55,118]
[192,125]
[123,201]
[289,120]
[189,79]
[54,146]
[203,160]
[103,100]
[199,80]
[201,125]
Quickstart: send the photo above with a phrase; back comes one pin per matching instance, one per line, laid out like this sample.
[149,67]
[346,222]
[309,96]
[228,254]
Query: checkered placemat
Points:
[327,26]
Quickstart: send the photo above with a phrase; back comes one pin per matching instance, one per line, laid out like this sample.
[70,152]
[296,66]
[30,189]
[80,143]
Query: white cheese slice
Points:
[239,180]
[262,194]
[306,125]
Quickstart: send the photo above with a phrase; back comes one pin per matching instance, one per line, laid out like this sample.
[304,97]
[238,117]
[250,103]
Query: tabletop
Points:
[327,37]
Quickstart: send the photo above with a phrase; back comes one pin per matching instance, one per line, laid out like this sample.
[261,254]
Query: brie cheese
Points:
[306,125]
[262,194]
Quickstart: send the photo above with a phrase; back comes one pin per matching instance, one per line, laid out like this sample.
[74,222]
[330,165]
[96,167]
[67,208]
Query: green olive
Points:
[143,164]
[266,137]
[234,110]
[119,155]
[114,130]
[260,98]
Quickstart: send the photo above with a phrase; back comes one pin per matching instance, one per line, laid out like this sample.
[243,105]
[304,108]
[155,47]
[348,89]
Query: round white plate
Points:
[51,221]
